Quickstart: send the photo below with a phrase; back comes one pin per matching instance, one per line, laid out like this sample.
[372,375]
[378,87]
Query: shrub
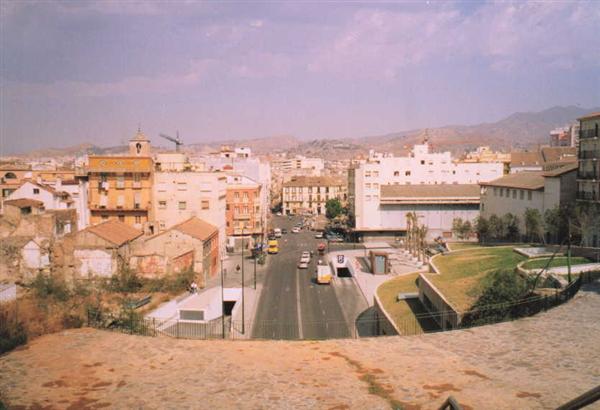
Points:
[12,330]
[50,286]
[125,281]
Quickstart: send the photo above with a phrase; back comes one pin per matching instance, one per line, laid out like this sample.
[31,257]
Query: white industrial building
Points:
[379,210]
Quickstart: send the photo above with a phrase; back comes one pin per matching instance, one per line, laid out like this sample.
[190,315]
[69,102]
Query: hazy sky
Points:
[79,71]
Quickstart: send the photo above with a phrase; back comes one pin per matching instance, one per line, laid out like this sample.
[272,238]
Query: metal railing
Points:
[335,329]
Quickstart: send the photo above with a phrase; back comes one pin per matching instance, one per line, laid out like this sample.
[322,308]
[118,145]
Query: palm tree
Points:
[422,234]
[412,219]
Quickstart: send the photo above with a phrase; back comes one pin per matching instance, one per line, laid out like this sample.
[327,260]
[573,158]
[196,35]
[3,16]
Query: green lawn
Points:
[457,246]
[400,312]
[461,272]
[556,262]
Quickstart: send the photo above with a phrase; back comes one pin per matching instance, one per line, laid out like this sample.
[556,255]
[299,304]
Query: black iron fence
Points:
[318,330]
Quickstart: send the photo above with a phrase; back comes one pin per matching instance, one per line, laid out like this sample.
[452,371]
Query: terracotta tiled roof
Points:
[562,170]
[115,232]
[430,191]
[519,158]
[196,228]
[524,180]
[24,202]
[590,116]
[555,154]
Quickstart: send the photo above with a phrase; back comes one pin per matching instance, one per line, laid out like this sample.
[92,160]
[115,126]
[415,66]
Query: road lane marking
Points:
[300,332]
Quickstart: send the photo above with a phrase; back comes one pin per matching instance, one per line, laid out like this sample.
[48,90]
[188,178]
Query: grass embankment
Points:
[458,246]
[400,311]
[556,262]
[461,272]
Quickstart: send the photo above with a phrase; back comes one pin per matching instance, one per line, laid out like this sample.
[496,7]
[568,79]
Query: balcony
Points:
[588,196]
[242,217]
[588,175]
[585,134]
[589,154]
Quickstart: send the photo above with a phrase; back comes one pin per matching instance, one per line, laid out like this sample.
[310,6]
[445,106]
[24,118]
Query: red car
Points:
[321,248]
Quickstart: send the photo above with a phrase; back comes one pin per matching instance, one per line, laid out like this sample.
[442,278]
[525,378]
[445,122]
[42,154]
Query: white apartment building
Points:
[374,218]
[180,193]
[242,163]
[310,194]
[299,162]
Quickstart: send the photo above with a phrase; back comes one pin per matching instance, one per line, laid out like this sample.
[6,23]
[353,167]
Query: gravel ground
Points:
[535,363]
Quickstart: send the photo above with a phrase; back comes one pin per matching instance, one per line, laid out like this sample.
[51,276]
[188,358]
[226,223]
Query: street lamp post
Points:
[222,300]
[243,313]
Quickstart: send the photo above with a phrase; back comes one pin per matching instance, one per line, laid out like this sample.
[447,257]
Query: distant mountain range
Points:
[523,130]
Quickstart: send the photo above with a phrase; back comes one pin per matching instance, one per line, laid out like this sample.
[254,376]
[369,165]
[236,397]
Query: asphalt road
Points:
[292,305]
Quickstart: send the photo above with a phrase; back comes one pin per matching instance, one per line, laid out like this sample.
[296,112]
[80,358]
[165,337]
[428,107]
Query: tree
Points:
[511,223]
[585,222]
[482,227]
[496,227]
[533,225]
[333,208]
[462,229]
[553,224]
[421,233]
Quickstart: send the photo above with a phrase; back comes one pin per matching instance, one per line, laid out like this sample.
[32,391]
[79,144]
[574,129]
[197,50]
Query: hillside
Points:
[517,131]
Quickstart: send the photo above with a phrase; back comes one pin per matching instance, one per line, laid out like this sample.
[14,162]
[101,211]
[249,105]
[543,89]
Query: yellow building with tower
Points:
[120,187]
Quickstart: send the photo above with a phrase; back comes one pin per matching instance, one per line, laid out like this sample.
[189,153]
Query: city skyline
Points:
[234,70]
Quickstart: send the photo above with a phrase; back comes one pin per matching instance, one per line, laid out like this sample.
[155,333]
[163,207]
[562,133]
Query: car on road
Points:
[321,248]
[278,213]
[295,229]
[277,232]
[302,265]
[334,238]
[323,274]
[319,235]
[305,257]
[283,231]
[273,247]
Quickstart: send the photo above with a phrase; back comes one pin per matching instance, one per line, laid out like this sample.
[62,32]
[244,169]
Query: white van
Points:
[277,232]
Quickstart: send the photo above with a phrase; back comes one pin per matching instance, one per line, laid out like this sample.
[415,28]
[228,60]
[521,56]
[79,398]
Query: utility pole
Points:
[222,300]
[255,256]
[243,310]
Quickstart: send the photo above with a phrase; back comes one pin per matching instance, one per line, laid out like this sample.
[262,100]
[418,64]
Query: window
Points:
[182,186]
[376,185]
[120,201]
[161,225]
[205,204]
[367,174]
[407,173]
[120,181]
[236,196]
[162,204]
[495,191]
[104,217]
[368,185]
[422,162]
[245,196]
[137,177]
[36,191]
[182,205]
[396,173]
[368,197]
[521,194]
[138,219]
[122,218]
[137,200]
[529,195]
[514,191]
[227,207]
[375,174]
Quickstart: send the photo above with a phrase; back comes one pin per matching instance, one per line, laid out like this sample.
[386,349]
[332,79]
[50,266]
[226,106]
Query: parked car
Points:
[319,235]
[283,231]
[279,214]
[334,238]
[295,229]
[302,265]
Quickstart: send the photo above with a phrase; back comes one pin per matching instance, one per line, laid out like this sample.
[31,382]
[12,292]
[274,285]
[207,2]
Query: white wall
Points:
[32,256]
[421,167]
[95,262]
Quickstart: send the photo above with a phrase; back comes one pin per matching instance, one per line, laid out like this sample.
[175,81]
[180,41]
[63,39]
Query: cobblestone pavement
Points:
[535,363]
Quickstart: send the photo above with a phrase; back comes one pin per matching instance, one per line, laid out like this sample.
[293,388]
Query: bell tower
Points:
[139,146]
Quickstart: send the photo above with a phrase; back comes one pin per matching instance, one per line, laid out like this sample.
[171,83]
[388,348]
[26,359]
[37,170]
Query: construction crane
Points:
[176,140]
